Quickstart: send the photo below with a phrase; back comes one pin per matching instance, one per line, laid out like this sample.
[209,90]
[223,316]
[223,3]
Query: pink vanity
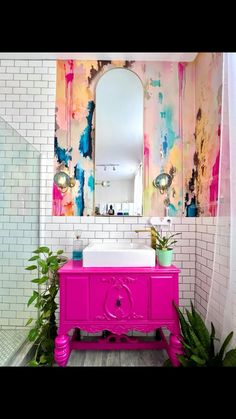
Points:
[117,300]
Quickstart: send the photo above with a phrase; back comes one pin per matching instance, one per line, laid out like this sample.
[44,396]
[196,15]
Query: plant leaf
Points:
[33,258]
[31,268]
[42,249]
[183,323]
[201,350]
[212,337]
[40,280]
[32,298]
[59,252]
[43,359]
[183,360]
[29,321]
[200,329]
[33,363]
[33,334]
[198,360]
[47,314]
[225,344]
[230,359]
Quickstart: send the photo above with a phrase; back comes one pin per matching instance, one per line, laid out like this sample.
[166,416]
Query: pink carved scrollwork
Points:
[124,293]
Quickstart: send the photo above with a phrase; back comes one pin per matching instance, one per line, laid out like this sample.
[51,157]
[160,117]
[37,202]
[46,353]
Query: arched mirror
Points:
[119,144]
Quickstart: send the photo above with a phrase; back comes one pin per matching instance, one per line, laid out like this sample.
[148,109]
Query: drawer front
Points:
[76,297]
[164,289]
[119,297]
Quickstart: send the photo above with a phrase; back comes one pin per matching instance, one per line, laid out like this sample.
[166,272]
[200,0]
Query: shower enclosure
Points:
[19,237]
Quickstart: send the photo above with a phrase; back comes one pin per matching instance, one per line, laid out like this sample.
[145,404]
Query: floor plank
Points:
[128,358]
[111,359]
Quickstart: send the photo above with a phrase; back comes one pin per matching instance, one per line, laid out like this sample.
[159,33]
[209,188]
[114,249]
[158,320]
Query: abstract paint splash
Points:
[79,199]
[168,106]
[85,145]
[74,130]
[62,155]
[204,179]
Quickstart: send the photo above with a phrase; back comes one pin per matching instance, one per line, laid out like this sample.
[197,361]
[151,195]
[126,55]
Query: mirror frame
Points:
[94,141]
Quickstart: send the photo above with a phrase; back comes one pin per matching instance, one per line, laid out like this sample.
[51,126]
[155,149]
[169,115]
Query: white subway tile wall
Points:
[27,102]
[212,253]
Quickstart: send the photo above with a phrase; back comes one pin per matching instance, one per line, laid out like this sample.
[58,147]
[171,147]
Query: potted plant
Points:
[164,248]
[199,344]
[44,330]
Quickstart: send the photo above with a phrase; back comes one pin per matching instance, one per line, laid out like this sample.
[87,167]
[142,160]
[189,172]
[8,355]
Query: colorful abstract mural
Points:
[175,141]
[75,132]
[202,157]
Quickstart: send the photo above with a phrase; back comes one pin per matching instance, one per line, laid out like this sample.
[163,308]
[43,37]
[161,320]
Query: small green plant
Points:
[199,344]
[165,242]
[44,330]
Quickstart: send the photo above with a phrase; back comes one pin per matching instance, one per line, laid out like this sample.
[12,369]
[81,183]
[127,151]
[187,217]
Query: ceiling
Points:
[129,56]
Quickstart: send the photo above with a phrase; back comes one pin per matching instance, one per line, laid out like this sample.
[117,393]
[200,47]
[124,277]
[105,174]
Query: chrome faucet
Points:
[153,232]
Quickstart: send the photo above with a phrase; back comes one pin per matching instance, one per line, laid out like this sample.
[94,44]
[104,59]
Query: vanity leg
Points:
[175,348]
[62,350]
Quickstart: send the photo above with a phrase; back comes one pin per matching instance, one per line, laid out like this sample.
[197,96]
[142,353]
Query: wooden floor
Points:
[127,358]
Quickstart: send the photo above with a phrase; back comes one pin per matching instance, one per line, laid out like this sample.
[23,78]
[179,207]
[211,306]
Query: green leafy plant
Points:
[199,344]
[165,242]
[44,330]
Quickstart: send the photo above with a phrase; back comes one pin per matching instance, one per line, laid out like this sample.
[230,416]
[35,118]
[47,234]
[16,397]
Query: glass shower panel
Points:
[19,236]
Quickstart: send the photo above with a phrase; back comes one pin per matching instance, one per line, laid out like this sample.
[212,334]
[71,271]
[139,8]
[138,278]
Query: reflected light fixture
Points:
[162,182]
[104,183]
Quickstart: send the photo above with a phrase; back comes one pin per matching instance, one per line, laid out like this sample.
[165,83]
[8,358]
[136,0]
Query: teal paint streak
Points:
[155,83]
[91,183]
[172,210]
[160,97]
[170,136]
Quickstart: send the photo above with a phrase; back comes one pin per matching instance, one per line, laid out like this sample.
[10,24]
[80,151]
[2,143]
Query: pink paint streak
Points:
[146,159]
[181,70]
[214,186]
[69,76]
[57,201]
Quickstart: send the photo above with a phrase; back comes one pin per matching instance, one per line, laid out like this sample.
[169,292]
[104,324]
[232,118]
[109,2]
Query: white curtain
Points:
[221,308]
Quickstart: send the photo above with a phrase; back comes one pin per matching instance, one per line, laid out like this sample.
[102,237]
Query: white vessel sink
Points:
[118,255]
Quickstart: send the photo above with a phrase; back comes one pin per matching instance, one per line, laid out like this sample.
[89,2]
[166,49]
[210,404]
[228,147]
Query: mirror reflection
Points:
[119,144]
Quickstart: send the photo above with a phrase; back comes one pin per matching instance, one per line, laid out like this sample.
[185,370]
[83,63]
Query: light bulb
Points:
[105,183]
[62,180]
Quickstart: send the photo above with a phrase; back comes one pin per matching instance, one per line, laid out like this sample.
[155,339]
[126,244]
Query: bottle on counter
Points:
[78,247]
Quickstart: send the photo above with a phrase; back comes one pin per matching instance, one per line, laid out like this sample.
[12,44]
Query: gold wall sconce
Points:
[63,180]
[162,182]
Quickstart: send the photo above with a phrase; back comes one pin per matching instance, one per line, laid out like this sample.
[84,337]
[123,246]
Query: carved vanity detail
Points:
[118,300]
